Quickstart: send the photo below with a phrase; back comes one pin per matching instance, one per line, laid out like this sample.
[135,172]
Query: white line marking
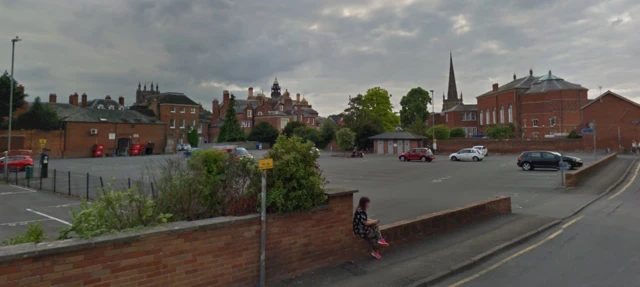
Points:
[16,192]
[441,179]
[62,205]
[22,222]
[23,188]
[48,216]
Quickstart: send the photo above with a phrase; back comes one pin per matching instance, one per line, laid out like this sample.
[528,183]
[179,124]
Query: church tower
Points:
[275,89]
[452,90]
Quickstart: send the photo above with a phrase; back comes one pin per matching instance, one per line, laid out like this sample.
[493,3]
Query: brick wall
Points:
[573,178]
[513,146]
[614,132]
[30,139]
[79,143]
[165,115]
[214,252]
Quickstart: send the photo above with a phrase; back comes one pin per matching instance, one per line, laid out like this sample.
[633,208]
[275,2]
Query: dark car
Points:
[422,153]
[530,160]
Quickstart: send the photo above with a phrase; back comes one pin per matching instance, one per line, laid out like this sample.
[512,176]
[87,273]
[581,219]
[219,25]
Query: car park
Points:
[530,160]
[483,149]
[467,154]
[17,162]
[422,154]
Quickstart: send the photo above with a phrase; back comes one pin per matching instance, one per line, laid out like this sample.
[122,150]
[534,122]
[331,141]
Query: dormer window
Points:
[281,108]
[249,113]
[259,113]
[112,108]
[100,107]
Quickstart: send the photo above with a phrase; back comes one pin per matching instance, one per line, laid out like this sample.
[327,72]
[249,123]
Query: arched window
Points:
[494,116]
[502,114]
[510,114]
[480,117]
[488,117]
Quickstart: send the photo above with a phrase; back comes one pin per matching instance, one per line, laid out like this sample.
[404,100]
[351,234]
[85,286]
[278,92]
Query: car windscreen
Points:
[241,151]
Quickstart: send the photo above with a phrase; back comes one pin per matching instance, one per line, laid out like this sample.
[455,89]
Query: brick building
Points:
[455,114]
[537,106]
[278,109]
[617,122]
[396,142]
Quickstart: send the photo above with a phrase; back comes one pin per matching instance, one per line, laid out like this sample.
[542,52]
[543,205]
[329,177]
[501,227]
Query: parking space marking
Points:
[48,216]
[63,205]
[441,179]
[23,222]
[26,190]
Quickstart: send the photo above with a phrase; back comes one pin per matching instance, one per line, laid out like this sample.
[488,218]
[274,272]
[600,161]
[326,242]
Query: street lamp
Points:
[6,156]
[433,121]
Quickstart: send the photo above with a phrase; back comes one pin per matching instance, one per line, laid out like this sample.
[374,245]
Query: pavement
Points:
[597,247]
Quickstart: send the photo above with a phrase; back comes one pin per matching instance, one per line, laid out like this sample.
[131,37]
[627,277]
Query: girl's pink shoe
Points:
[383,242]
[376,254]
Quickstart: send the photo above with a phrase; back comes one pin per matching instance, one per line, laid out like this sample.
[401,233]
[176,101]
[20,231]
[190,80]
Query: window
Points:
[502,114]
[552,121]
[259,113]
[548,155]
[173,109]
[535,154]
[480,117]
[283,123]
[182,110]
[249,113]
[488,118]
[182,121]
[446,117]
[100,107]
[510,114]
[200,128]
[473,116]
[535,135]
[494,116]
[112,108]
[524,123]
[535,123]
[172,123]
[281,108]
[193,124]
[246,124]
[307,120]
[313,121]
[193,110]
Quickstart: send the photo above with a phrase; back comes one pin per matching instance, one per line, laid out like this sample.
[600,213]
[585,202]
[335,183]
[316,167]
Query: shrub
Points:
[573,135]
[457,133]
[442,132]
[264,132]
[308,134]
[295,182]
[33,234]
[193,138]
[291,126]
[501,131]
[345,138]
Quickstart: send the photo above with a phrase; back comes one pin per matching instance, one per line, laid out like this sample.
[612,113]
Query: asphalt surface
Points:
[597,247]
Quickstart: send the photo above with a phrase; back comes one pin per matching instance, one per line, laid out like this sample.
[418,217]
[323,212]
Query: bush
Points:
[264,132]
[33,234]
[345,138]
[291,126]
[328,132]
[442,132]
[501,131]
[295,182]
[457,133]
[308,134]
[573,135]
[193,138]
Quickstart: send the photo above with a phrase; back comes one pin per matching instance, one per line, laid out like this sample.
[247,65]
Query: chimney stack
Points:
[107,97]
[250,96]
[495,87]
[52,98]
[298,97]
[84,100]
[225,97]
[73,99]
[121,101]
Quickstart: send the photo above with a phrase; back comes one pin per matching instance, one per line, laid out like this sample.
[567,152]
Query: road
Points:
[597,247]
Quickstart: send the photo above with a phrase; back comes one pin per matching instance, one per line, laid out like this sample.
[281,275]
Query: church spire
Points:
[452,92]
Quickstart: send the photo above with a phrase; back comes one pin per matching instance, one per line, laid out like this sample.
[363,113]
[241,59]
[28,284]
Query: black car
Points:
[530,160]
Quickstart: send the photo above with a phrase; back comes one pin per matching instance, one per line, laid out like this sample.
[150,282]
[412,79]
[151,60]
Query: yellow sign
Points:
[266,163]
[43,142]
[435,140]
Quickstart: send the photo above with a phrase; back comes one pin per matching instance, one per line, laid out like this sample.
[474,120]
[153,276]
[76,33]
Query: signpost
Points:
[563,166]
[43,143]
[592,126]
[263,165]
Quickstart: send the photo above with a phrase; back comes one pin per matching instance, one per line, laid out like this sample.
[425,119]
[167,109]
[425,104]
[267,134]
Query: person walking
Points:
[368,228]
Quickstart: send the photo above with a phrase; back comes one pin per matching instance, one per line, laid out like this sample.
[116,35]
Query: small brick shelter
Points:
[396,142]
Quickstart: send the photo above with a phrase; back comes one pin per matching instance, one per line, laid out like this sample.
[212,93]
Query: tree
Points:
[458,133]
[442,132]
[193,137]
[38,117]
[291,126]
[418,128]
[370,115]
[414,107]
[230,131]
[327,132]
[345,138]
[18,95]
[378,102]
[308,134]
[264,132]
[501,131]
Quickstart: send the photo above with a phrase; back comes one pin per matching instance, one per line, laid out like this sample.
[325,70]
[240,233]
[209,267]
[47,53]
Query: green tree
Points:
[345,139]
[291,126]
[193,137]
[442,132]
[501,131]
[295,182]
[38,117]
[230,131]
[458,133]
[418,128]
[378,103]
[18,94]
[327,131]
[308,134]
[264,132]
[414,107]
[370,115]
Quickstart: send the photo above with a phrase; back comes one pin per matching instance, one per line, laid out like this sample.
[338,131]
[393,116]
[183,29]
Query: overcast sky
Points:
[325,50]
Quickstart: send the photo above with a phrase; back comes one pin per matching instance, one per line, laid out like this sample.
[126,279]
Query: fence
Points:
[80,185]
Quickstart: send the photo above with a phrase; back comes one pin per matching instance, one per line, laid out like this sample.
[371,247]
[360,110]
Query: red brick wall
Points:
[454,119]
[573,178]
[79,143]
[511,146]
[496,101]
[214,252]
[31,140]
[563,105]
[165,115]
[612,114]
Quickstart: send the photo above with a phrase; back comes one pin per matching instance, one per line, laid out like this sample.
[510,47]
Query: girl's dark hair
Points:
[363,201]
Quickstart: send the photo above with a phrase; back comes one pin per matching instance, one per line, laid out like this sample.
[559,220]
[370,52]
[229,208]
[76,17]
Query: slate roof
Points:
[522,83]
[533,85]
[463,108]
[334,118]
[71,113]
[397,136]
[106,104]
[308,111]
[172,98]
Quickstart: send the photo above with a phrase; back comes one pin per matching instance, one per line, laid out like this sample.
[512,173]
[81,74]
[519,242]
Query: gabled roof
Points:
[610,93]
[172,98]
[71,113]
[397,136]
[533,85]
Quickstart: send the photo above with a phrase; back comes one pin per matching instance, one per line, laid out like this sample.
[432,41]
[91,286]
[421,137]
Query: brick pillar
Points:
[52,98]
[84,100]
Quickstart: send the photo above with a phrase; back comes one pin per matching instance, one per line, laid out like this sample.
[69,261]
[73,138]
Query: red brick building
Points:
[277,109]
[537,107]
[396,142]
[617,122]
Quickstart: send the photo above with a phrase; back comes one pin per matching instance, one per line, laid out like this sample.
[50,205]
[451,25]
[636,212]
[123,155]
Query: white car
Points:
[467,154]
[316,150]
[186,147]
[483,149]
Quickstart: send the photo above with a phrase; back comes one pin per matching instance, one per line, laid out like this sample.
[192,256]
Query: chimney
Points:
[514,76]
[250,96]
[225,97]
[73,99]
[495,87]
[84,100]
[107,97]
[298,97]
[52,98]
[530,72]
[121,101]
[215,112]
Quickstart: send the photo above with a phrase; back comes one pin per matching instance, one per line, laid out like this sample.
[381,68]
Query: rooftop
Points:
[71,113]
[172,98]
[396,136]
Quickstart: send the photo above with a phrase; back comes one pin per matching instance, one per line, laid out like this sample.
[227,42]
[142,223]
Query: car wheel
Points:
[402,158]
[453,158]
[526,166]
[423,159]
[475,158]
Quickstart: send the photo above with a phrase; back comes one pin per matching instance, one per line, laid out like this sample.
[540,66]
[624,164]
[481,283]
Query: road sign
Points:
[564,166]
[587,131]
[266,163]
[43,142]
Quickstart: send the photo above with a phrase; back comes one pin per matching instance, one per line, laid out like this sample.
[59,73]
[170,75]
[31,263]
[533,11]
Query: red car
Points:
[19,162]
[422,153]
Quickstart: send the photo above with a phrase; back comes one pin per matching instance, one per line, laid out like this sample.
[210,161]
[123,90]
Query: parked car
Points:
[530,160]
[17,162]
[179,147]
[239,152]
[423,154]
[467,154]
[316,150]
[186,147]
[483,149]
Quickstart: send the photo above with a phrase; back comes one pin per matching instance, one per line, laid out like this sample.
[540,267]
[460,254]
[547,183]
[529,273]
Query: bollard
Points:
[16,176]
[101,182]
[54,181]
[69,181]
[87,186]
[153,192]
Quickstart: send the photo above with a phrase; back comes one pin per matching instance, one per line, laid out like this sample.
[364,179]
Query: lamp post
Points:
[6,156]
[433,121]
